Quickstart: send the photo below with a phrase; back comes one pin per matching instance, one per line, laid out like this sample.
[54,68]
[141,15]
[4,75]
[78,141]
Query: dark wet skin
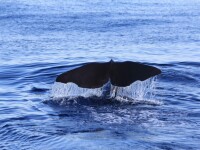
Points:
[121,74]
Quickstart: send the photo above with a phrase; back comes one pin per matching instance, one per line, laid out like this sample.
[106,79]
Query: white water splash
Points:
[139,90]
[60,90]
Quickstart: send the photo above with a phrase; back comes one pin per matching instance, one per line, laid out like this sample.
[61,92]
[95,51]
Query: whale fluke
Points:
[95,75]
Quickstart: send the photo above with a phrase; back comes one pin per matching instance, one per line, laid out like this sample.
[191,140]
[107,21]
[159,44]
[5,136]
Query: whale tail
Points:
[95,75]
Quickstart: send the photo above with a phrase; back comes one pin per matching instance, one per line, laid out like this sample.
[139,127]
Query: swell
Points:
[31,73]
[181,72]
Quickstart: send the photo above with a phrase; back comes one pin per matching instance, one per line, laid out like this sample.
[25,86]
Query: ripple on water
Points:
[41,39]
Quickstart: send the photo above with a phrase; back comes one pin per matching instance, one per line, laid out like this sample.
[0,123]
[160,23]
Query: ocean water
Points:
[39,39]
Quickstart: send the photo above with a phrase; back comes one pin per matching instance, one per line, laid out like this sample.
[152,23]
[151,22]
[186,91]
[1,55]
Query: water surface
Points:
[39,39]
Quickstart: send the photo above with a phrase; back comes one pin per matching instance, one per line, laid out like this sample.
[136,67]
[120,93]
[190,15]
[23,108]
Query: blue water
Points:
[39,39]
